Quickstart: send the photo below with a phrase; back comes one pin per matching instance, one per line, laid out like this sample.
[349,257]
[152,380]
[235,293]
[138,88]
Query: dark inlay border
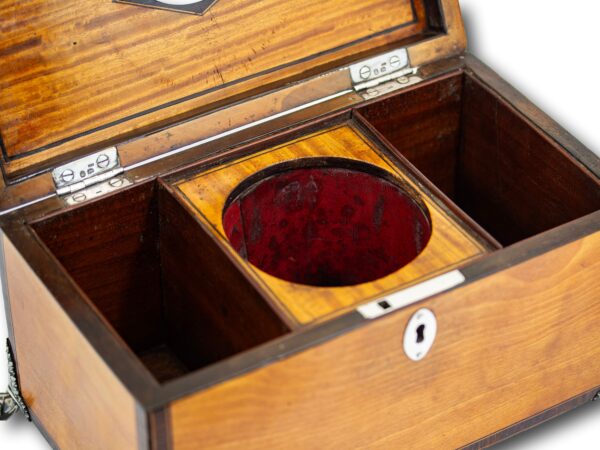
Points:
[9,158]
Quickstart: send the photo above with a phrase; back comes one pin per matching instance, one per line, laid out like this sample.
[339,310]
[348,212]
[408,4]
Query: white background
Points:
[547,49]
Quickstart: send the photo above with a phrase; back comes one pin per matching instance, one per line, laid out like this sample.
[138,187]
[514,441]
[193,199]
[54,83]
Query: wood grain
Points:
[65,383]
[110,248]
[508,168]
[499,166]
[535,420]
[423,124]
[237,115]
[159,280]
[450,244]
[508,346]
[211,309]
[521,104]
[83,65]
[88,76]
[453,43]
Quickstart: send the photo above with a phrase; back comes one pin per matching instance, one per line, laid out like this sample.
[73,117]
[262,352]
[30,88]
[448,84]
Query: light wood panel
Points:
[222,120]
[509,346]
[67,386]
[80,77]
[72,67]
[450,244]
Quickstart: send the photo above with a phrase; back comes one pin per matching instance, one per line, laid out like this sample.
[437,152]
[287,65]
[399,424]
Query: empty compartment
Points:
[488,158]
[326,222]
[161,282]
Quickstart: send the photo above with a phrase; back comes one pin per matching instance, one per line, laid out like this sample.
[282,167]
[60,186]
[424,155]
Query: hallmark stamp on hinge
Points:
[379,66]
[87,171]
[85,168]
[383,73]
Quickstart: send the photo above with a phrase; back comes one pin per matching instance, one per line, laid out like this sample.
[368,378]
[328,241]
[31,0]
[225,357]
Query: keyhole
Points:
[416,343]
[420,333]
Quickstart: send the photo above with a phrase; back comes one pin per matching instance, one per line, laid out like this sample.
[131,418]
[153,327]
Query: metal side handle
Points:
[12,401]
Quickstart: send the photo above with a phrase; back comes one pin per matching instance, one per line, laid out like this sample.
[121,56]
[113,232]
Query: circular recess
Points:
[326,222]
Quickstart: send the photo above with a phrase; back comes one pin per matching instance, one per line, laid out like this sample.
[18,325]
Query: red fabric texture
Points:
[326,226]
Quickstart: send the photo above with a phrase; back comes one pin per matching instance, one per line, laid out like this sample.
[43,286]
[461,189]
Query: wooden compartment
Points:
[317,249]
[161,283]
[495,164]
[166,266]
[144,309]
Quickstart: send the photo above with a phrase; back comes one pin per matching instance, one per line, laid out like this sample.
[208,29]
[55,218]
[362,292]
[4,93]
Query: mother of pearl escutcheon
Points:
[185,6]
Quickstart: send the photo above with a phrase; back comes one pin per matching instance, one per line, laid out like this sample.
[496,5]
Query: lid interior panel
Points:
[71,68]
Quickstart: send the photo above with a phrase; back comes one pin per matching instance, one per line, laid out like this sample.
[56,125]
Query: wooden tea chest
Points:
[241,224]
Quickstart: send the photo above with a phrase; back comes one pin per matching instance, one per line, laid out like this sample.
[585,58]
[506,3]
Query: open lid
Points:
[78,75]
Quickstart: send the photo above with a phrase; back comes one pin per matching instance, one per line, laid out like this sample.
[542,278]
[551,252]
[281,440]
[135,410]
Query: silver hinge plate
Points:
[379,66]
[401,82]
[383,73]
[87,171]
[12,400]
[97,190]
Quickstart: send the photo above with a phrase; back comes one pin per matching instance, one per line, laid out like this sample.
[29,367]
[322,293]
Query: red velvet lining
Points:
[326,226]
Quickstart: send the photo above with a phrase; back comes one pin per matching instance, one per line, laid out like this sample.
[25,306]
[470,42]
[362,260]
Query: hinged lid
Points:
[79,76]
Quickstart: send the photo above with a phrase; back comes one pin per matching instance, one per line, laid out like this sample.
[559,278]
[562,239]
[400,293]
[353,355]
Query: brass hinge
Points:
[383,73]
[87,171]
[12,401]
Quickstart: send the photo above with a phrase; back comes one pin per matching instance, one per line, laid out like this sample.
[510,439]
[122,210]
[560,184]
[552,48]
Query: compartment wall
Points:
[72,393]
[109,247]
[212,311]
[423,124]
[512,179]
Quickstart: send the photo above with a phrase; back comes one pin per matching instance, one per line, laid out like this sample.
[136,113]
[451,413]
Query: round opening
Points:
[326,222]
